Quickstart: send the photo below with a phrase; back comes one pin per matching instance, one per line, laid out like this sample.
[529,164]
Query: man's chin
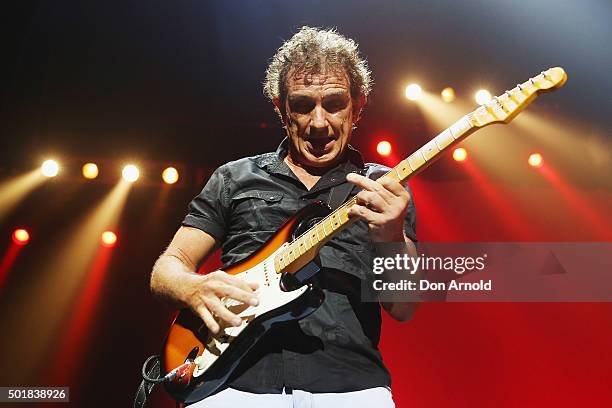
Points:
[322,161]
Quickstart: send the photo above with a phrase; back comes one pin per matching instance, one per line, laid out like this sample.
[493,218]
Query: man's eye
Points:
[335,106]
[302,107]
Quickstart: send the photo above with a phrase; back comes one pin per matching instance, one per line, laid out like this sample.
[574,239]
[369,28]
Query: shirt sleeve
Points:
[208,211]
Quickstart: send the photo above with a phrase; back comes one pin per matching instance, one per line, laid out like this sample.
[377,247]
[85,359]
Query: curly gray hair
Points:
[312,50]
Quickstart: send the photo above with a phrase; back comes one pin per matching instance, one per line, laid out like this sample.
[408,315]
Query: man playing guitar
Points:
[319,85]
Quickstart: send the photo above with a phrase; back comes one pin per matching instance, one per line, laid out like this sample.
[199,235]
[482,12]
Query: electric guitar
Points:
[195,363]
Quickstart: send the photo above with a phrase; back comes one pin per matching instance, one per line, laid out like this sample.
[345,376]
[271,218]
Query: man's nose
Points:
[319,120]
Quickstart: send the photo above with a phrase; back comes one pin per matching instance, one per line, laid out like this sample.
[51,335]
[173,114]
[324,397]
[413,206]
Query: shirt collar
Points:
[272,162]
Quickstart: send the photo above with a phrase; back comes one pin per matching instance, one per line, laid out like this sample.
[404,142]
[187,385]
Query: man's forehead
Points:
[305,80]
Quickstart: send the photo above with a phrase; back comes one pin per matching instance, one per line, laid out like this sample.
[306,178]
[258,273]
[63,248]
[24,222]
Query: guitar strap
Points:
[339,194]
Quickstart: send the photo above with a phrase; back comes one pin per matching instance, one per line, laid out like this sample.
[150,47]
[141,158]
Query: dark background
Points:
[180,82]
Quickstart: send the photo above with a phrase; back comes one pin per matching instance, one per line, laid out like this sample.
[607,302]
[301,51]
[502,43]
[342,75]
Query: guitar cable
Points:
[145,372]
[151,377]
[179,371]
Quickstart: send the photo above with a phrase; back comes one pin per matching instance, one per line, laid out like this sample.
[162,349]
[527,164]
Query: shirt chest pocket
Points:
[256,210]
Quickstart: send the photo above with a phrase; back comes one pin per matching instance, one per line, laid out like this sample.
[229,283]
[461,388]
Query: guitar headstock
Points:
[505,107]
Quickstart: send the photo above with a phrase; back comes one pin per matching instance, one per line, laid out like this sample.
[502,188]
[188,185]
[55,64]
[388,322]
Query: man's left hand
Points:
[383,204]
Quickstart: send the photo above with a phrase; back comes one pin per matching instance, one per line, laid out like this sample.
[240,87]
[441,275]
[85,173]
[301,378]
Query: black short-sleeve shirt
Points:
[335,349]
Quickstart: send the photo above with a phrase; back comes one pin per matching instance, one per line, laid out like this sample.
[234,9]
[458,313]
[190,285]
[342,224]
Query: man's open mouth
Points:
[321,144]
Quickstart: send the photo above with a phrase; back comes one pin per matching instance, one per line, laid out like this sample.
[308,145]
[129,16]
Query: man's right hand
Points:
[206,294]
[174,280]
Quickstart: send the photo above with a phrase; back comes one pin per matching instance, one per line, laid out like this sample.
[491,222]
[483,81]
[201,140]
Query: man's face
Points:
[319,116]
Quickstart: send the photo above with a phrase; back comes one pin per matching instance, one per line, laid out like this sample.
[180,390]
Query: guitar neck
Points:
[501,109]
[431,151]
[325,229]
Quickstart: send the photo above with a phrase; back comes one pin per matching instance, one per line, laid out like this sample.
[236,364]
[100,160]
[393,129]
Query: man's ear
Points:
[279,108]
[358,105]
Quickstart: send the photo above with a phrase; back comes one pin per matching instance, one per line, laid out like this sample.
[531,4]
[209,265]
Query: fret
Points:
[335,221]
[429,150]
[393,174]
[302,246]
[327,222]
[339,216]
[458,128]
[313,236]
[444,139]
[281,259]
[343,214]
[403,169]
[420,153]
[308,242]
[320,231]
[415,161]
[290,254]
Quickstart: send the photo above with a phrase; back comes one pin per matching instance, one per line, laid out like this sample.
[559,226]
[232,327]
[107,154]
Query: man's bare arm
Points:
[174,279]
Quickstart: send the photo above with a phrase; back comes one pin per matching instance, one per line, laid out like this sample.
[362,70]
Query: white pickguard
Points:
[270,296]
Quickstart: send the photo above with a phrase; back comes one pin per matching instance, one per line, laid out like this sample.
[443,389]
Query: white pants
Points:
[379,397]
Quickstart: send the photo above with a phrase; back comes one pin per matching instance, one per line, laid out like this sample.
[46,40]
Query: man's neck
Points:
[307,175]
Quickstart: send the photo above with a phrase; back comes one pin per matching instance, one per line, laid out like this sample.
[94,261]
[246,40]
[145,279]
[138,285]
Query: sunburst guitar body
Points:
[207,360]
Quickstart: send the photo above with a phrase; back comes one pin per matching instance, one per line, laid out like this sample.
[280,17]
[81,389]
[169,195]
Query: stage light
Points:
[413,92]
[460,154]
[109,239]
[21,236]
[90,171]
[170,175]
[448,94]
[535,160]
[384,148]
[130,173]
[49,168]
[482,96]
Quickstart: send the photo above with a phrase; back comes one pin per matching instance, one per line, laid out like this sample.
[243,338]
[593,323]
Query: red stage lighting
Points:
[384,148]
[460,154]
[109,239]
[21,236]
[535,160]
